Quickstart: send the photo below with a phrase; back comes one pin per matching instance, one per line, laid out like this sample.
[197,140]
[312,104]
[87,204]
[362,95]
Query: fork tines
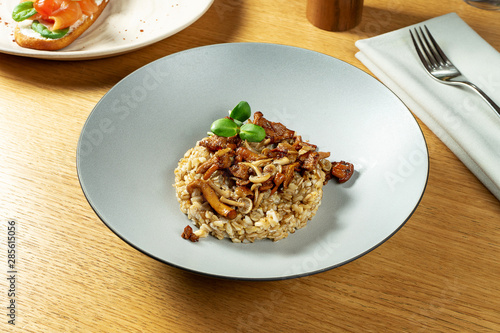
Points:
[427,48]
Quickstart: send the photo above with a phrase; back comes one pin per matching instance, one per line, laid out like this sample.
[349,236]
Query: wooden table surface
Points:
[439,273]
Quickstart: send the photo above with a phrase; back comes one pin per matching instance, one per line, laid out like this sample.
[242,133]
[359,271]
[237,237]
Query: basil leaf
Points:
[224,127]
[241,111]
[45,32]
[23,11]
[252,133]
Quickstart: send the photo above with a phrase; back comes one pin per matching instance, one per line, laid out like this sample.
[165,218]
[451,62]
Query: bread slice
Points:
[28,38]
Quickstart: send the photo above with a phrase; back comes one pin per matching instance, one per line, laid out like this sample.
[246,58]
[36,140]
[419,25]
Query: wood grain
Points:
[439,273]
[334,15]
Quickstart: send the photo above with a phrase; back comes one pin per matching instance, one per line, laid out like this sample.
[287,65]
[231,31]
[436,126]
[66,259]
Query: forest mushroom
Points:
[212,198]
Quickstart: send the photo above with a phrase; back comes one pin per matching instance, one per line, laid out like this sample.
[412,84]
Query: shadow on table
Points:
[377,21]
[240,306]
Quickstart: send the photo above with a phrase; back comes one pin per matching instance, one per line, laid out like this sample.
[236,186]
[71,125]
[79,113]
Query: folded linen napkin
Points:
[458,116]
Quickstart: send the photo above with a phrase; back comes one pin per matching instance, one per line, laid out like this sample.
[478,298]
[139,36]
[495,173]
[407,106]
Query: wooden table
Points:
[439,273]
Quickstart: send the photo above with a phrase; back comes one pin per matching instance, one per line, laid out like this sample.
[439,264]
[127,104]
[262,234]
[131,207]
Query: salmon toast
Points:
[54,24]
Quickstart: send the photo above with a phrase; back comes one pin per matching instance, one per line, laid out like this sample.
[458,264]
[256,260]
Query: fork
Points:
[439,67]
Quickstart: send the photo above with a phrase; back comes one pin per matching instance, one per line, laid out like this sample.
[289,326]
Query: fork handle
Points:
[484,96]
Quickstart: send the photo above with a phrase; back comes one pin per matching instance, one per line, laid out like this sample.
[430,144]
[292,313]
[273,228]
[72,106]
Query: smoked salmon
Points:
[60,14]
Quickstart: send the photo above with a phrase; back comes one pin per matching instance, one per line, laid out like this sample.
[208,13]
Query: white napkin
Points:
[458,116]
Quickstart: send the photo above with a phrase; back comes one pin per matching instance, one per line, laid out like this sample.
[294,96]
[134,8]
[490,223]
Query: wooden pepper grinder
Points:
[334,15]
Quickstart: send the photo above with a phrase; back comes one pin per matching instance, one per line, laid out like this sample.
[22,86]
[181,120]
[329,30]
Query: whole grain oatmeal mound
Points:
[247,191]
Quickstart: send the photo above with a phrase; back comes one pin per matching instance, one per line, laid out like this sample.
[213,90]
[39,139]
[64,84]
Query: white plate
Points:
[136,134]
[124,26]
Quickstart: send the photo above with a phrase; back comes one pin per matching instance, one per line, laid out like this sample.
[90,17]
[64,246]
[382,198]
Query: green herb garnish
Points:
[46,32]
[23,11]
[233,125]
